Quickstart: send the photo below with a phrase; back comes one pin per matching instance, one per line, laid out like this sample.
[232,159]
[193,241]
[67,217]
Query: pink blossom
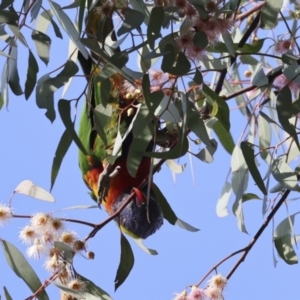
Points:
[196,294]
[283,46]
[281,81]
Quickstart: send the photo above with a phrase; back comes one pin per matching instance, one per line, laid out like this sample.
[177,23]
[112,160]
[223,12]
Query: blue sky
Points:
[28,143]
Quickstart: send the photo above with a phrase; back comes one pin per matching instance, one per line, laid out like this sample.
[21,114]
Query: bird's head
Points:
[139,218]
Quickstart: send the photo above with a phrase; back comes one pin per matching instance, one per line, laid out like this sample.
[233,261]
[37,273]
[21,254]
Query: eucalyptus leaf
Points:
[68,26]
[269,14]
[61,150]
[133,19]
[248,153]
[42,43]
[64,108]
[284,174]
[32,71]
[28,188]
[223,200]
[126,262]
[22,269]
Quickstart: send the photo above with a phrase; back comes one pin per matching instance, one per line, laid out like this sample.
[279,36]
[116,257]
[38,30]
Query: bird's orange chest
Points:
[122,182]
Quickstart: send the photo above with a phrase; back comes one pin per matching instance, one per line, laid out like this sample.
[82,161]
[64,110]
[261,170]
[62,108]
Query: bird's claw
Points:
[104,181]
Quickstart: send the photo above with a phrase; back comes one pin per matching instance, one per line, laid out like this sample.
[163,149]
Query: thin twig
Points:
[259,232]
[248,248]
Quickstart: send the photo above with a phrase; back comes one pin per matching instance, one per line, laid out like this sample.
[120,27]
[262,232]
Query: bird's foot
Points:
[109,172]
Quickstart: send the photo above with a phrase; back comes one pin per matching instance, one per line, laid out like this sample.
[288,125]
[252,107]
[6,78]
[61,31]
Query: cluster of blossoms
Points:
[213,291]
[210,23]
[40,236]
[159,81]
[5,213]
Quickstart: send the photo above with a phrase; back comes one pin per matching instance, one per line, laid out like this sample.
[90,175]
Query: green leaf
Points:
[186,226]
[237,160]
[126,262]
[166,109]
[180,149]
[8,16]
[259,78]
[269,14]
[137,149]
[5,3]
[50,85]
[22,269]
[16,31]
[198,78]
[139,242]
[239,184]
[64,108]
[174,166]
[61,150]
[254,47]
[1,101]
[34,11]
[42,43]
[264,135]
[67,251]
[283,240]
[6,294]
[143,118]
[167,211]
[133,20]
[155,24]
[105,91]
[154,100]
[4,86]
[93,289]
[289,58]
[168,58]
[223,109]
[200,39]
[284,247]
[13,75]
[284,103]
[30,189]
[75,4]
[69,27]
[267,118]
[32,71]
[46,102]
[284,174]
[81,14]
[206,154]
[101,117]
[95,48]
[229,43]
[292,72]
[44,20]
[117,62]
[285,111]
[144,62]
[224,137]
[295,107]
[223,200]
[177,65]
[141,7]
[248,152]
[196,124]
[250,196]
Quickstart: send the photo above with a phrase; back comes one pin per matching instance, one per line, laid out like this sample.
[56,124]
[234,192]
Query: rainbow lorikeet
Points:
[105,175]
